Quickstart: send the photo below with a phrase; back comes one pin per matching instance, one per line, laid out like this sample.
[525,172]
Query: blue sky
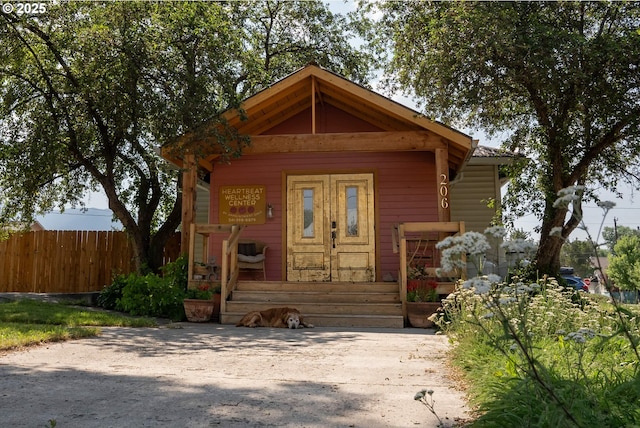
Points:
[77,219]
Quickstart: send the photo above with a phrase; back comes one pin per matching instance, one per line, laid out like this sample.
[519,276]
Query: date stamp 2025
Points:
[24,8]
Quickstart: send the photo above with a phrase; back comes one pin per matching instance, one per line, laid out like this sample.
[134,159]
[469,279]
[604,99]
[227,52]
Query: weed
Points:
[539,354]
[426,397]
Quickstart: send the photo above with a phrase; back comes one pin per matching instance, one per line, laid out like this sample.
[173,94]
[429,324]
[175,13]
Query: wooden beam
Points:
[412,227]
[361,96]
[207,229]
[356,142]
[273,90]
[192,250]
[391,107]
[189,181]
[313,105]
[173,157]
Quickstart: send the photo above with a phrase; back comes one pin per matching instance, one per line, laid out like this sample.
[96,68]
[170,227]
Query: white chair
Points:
[252,256]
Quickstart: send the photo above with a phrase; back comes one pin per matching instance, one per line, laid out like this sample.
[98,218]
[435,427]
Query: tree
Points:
[561,79]
[89,90]
[611,235]
[578,254]
[624,265]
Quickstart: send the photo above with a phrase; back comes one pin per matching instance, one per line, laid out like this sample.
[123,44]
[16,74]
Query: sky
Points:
[90,219]
[626,212]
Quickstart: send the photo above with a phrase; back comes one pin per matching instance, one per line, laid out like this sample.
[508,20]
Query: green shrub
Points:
[110,295]
[177,272]
[152,295]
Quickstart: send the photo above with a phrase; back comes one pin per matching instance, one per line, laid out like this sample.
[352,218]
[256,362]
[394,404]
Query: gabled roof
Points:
[313,86]
[485,155]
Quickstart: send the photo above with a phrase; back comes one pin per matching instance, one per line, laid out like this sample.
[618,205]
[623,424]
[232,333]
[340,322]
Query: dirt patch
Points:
[197,375]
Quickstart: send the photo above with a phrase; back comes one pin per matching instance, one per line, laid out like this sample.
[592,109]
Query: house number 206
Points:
[444,191]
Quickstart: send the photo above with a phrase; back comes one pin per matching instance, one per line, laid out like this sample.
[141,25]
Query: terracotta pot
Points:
[419,312]
[198,310]
[215,316]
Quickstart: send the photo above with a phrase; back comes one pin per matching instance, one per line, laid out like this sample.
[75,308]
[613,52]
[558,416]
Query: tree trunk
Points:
[548,255]
[162,236]
[148,249]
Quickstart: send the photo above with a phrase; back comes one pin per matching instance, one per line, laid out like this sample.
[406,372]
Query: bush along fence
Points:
[67,261]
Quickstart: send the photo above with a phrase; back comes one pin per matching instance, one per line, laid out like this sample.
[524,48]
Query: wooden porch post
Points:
[442,177]
[189,180]
[403,269]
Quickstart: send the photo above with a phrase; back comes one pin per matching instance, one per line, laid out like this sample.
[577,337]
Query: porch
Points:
[370,304]
[334,304]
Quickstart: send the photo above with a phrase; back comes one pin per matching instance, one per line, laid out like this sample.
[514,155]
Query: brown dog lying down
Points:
[274,317]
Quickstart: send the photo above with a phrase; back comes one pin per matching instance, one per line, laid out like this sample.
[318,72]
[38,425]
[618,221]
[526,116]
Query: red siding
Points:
[405,188]
[329,119]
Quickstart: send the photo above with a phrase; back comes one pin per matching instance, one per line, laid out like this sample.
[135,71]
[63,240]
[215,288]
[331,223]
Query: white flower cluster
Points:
[520,288]
[556,231]
[606,205]
[581,336]
[497,232]
[480,285]
[454,247]
[467,243]
[519,246]
[568,196]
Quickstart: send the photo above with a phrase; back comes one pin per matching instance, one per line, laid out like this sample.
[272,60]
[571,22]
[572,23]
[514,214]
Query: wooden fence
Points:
[67,261]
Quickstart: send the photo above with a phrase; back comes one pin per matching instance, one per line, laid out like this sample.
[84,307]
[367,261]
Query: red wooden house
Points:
[331,171]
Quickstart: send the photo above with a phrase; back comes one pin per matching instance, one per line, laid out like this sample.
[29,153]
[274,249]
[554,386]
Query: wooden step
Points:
[331,287]
[314,297]
[319,308]
[323,304]
[327,320]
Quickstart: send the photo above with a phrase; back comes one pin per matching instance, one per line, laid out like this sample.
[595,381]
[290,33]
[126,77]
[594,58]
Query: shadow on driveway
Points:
[201,375]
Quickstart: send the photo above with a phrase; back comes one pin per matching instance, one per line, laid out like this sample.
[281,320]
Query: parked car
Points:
[568,274]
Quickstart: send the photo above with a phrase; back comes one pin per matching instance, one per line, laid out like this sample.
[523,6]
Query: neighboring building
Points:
[79,219]
[475,192]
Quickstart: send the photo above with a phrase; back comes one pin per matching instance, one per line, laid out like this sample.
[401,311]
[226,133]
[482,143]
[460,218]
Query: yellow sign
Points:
[242,204]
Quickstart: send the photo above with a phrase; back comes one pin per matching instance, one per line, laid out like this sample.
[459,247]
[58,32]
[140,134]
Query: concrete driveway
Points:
[203,375]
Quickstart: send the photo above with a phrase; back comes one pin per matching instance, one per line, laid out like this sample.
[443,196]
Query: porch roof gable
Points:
[403,129]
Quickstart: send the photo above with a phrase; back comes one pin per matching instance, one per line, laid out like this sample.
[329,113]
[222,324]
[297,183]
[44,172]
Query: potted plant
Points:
[423,301]
[416,275]
[200,302]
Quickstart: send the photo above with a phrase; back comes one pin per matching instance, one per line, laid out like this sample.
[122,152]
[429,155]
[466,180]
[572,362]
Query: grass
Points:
[29,322]
[596,381]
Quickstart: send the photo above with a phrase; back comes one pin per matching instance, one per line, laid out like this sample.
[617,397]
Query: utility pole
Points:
[615,235]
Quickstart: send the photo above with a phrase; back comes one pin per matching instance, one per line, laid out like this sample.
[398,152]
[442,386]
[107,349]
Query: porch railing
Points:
[229,264]
[413,241]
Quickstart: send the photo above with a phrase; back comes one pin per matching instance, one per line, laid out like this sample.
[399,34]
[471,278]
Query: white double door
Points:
[330,228]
